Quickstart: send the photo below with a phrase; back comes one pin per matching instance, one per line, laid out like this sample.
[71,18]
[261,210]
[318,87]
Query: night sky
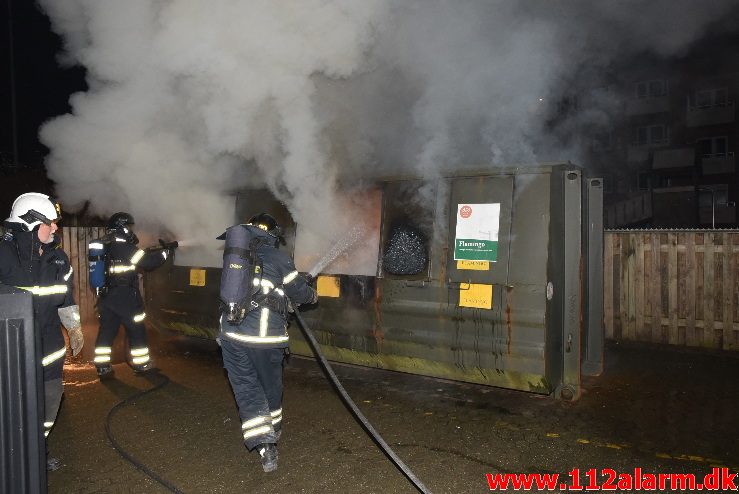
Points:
[42,86]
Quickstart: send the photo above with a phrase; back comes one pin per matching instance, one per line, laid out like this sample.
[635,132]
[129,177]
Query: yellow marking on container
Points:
[552,434]
[475,295]
[328,286]
[197,277]
[474,265]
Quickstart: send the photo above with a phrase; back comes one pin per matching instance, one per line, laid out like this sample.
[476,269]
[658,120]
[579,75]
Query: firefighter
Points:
[119,300]
[253,332]
[32,259]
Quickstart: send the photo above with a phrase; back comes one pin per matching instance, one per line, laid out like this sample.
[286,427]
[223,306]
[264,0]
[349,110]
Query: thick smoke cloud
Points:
[189,100]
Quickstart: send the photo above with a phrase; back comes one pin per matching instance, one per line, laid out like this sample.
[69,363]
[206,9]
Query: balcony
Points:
[718,163]
[645,106]
[721,214]
[674,158]
[674,207]
[710,115]
[637,154]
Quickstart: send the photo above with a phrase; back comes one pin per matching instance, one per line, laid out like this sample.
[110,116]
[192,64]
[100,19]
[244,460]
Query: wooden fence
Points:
[74,243]
[675,287]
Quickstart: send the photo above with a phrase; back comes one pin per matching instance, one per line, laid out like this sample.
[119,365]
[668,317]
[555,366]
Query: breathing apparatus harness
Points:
[100,265]
[243,288]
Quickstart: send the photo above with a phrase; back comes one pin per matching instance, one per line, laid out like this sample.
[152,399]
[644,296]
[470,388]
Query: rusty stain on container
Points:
[377,331]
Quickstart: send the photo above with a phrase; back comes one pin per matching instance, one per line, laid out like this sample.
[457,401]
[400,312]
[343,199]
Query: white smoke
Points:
[190,100]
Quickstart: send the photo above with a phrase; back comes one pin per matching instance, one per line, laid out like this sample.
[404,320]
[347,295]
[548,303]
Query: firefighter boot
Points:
[268,452]
[52,463]
[104,371]
[144,368]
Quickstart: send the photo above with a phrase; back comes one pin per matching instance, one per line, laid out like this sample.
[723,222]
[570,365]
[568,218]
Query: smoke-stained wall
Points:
[189,101]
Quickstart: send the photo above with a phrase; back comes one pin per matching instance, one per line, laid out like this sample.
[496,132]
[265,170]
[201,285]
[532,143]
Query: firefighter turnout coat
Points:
[278,285]
[45,271]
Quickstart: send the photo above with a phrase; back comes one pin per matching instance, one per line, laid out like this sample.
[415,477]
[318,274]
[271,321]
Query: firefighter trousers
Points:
[255,375]
[111,318]
[53,391]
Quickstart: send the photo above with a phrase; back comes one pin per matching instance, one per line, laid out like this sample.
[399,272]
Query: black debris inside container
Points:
[405,253]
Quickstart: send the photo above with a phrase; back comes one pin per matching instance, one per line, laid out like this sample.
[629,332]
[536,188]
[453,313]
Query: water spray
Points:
[351,238]
[189,242]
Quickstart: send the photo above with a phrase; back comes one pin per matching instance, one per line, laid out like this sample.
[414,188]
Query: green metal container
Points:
[502,299]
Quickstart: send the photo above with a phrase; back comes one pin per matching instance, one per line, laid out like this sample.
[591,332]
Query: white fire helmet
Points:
[32,209]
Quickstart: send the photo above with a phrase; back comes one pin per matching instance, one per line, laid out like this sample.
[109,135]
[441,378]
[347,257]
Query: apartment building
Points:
[670,160]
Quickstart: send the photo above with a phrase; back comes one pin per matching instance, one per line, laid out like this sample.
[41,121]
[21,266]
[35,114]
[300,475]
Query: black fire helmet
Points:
[120,220]
[266,222]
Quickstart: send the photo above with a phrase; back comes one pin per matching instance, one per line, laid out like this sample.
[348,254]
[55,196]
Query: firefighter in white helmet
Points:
[32,259]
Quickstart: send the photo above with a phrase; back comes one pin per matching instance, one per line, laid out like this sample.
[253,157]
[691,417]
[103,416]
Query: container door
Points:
[497,274]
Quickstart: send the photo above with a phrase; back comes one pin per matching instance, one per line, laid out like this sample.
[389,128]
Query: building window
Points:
[712,147]
[663,181]
[651,135]
[643,181]
[713,195]
[651,89]
[708,98]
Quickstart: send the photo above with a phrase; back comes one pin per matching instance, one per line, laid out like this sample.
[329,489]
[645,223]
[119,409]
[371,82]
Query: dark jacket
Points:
[124,261]
[266,326]
[48,276]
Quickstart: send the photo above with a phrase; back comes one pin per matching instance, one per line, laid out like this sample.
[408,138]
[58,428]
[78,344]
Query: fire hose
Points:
[127,456]
[332,377]
[354,409]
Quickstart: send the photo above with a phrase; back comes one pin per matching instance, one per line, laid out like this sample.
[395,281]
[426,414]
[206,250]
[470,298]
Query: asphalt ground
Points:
[661,409]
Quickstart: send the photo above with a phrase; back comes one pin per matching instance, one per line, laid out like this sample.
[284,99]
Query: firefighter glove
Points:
[76,340]
[70,317]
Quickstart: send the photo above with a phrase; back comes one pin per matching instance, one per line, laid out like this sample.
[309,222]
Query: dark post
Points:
[594,336]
